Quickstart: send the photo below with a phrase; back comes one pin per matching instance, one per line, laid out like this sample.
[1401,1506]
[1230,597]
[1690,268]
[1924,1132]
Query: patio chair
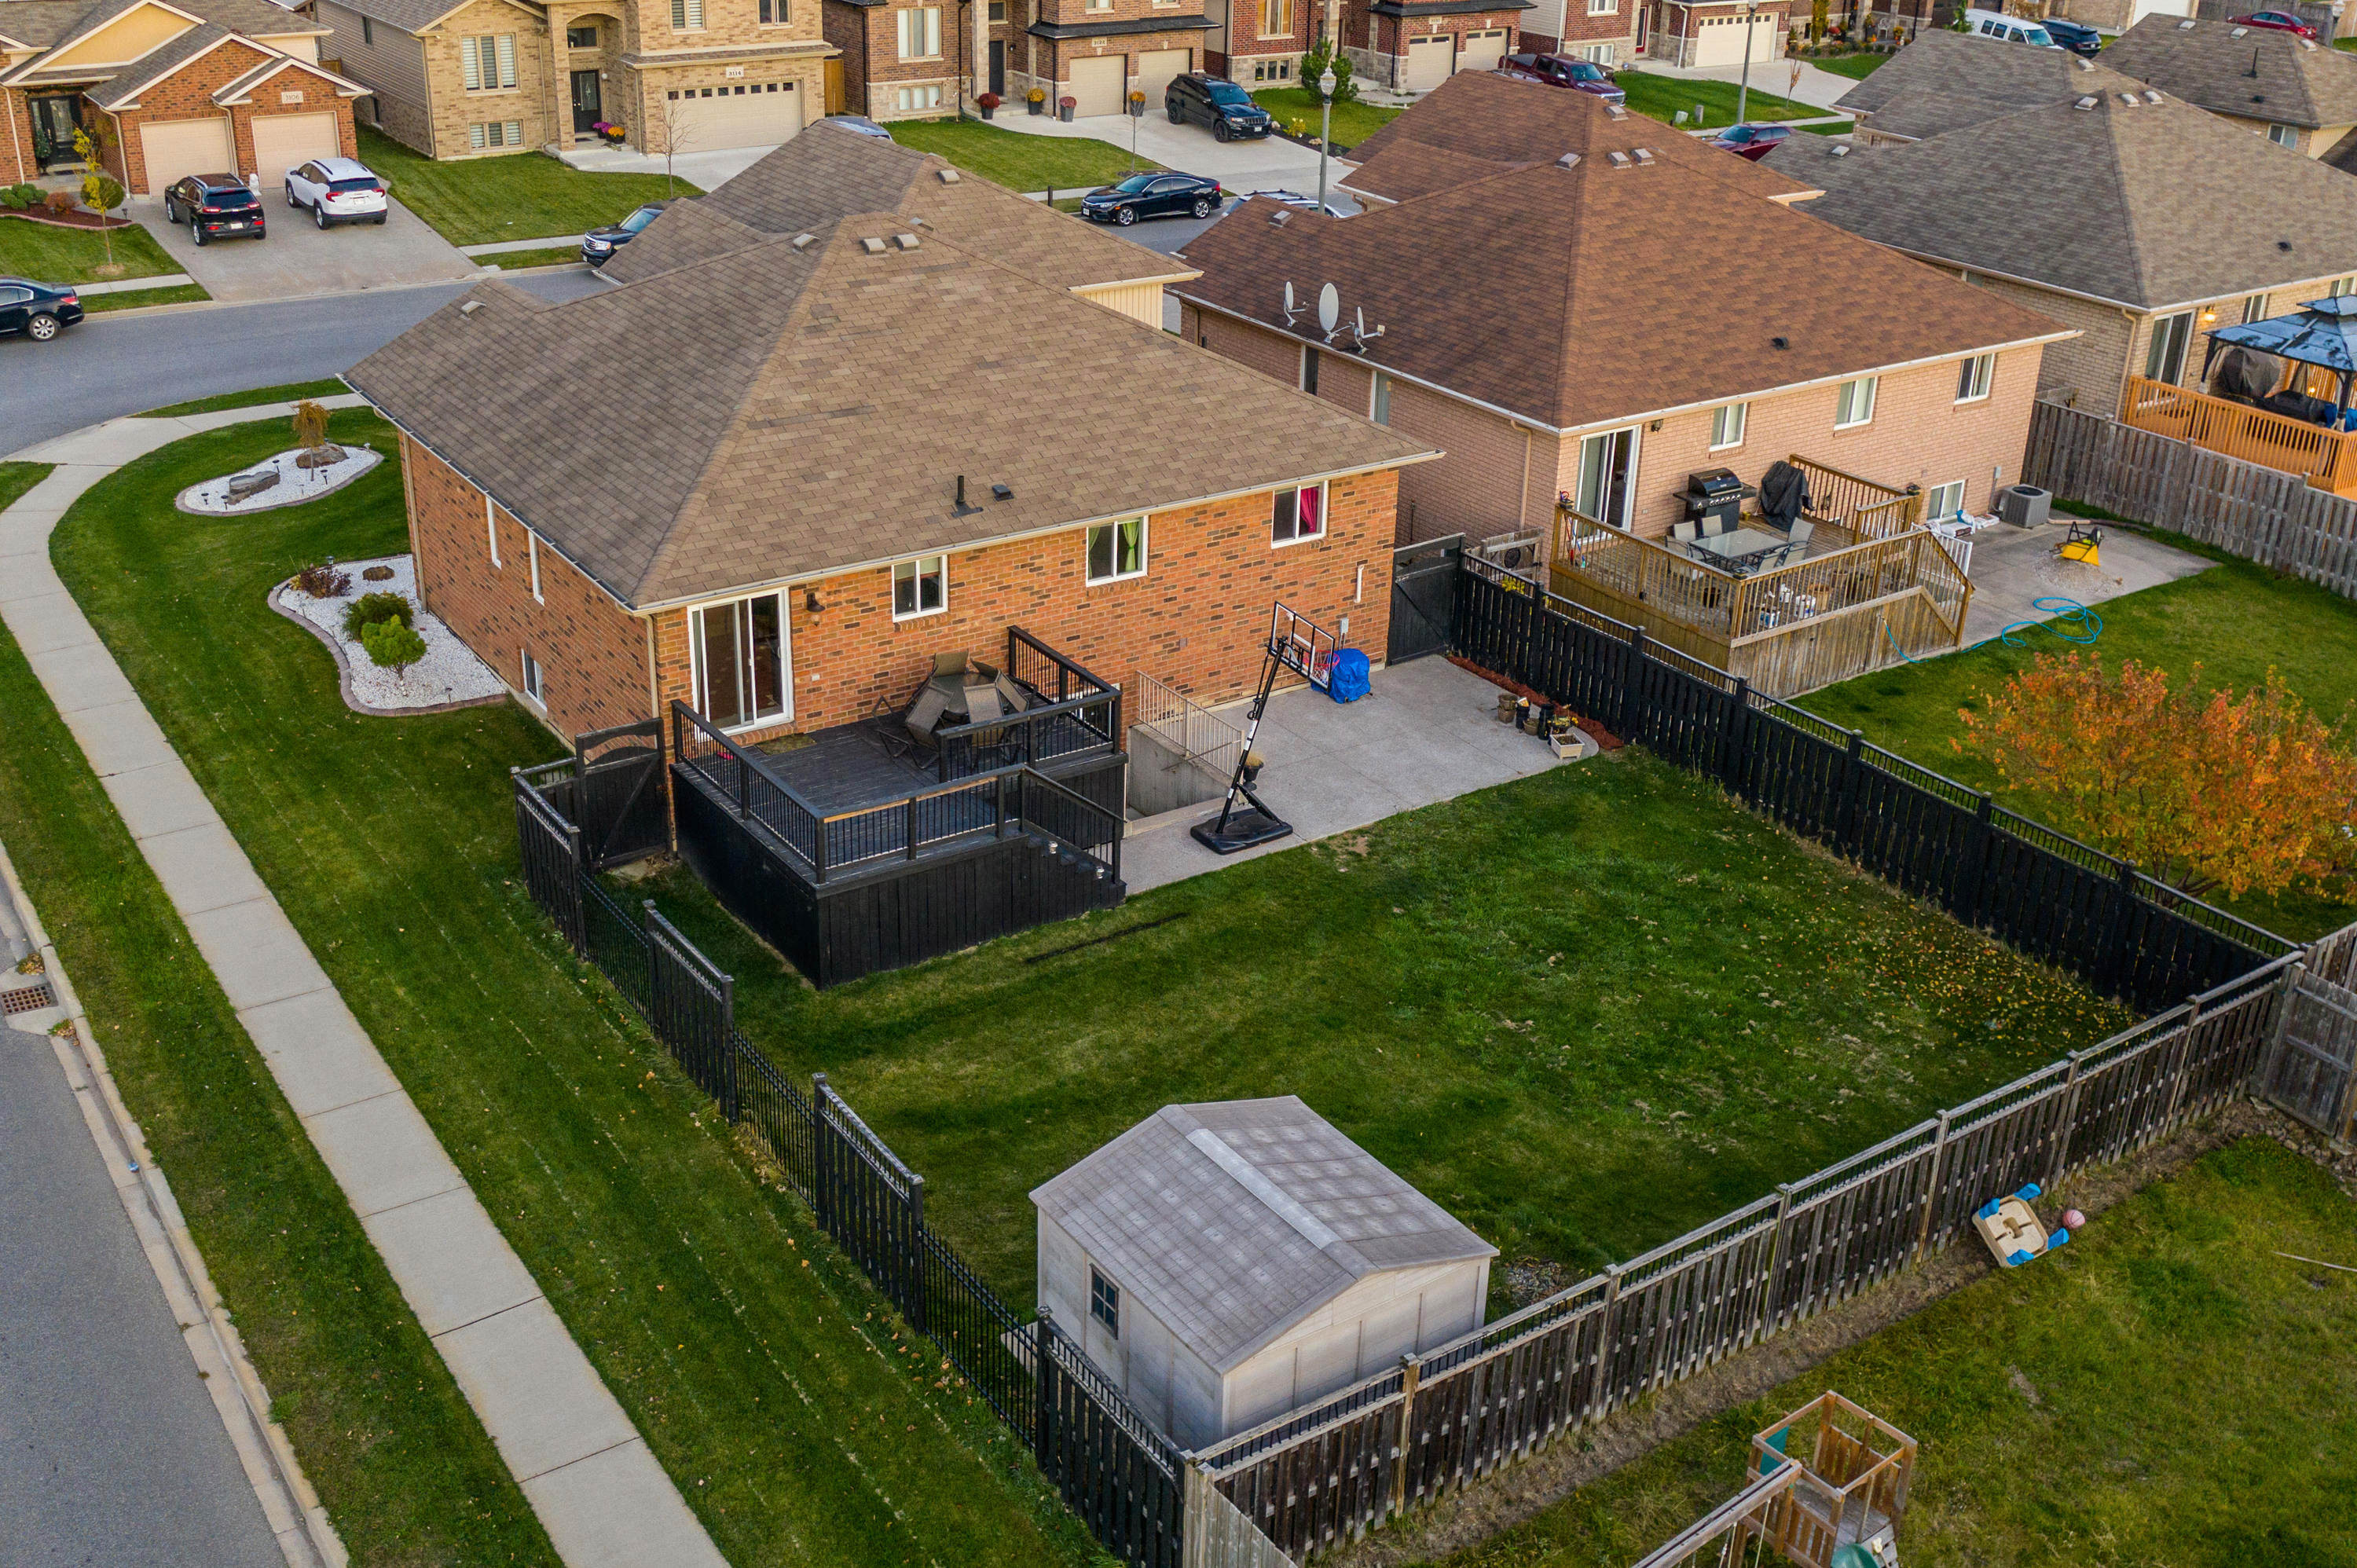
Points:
[947,695]
[1799,536]
[1683,533]
[1713,525]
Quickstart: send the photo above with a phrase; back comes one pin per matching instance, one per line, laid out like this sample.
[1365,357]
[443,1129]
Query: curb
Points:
[297,1521]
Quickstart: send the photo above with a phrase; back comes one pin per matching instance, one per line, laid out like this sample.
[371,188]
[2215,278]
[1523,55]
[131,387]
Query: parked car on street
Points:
[598,245]
[1751,141]
[860,124]
[1212,101]
[1306,204]
[1167,194]
[2008,29]
[39,310]
[2077,37]
[213,205]
[2280,21]
[1562,70]
[337,190]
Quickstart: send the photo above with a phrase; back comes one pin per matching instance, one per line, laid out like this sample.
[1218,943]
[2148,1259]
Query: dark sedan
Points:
[598,245]
[40,310]
[1754,142]
[1153,196]
[1562,70]
[2077,37]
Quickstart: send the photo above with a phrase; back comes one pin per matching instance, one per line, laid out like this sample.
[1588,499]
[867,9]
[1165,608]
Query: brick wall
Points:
[315,96]
[727,23]
[846,28]
[17,162]
[1378,45]
[186,95]
[886,72]
[527,103]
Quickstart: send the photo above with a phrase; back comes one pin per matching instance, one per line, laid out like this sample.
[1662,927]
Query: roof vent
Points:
[948,175]
[1279,220]
[905,241]
[2308,43]
[1618,112]
[2082,62]
[471,306]
[2151,95]
[2283,244]
[1644,155]
[2129,99]
[872,245]
[2087,102]
[804,241]
[1617,159]
[1002,492]
[1568,160]
[2238,32]
[2184,27]
[1780,342]
[1840,149]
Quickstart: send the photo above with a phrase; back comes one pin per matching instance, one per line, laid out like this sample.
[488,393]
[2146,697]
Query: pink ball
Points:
[2072,1220]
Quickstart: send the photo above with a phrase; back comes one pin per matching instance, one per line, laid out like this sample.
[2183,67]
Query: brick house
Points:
[484,78]
[1610,32]
[1654,314]
[2295,94]
[1709,32]
[2150,221]
[1096,52]
[884,435]
[899,62]
[1414,45]
[190,87]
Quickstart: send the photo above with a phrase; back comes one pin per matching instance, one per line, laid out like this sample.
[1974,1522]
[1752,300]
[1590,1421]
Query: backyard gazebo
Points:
[2321,335]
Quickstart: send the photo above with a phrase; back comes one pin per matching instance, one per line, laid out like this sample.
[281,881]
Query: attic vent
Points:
[2184,27]
[1568,160]
[1617,111]
[471,306]
[1644,155]
[1617,159]
[2082,62]
[2150,96]
[1279,220]
[1840,149]
[2283,244]
[948,175]
[804,241]
[905,241]
[2087,102]
[872,245]
[2238,32]
[2129,99]
[2308,43]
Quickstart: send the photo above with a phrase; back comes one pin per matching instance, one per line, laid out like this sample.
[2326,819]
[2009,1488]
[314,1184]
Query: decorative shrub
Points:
[989,101]
[14,200]
[324,582]
[374,609]
[1037,95]
[1322,54]
[378,574]
[61,201]
[391,645]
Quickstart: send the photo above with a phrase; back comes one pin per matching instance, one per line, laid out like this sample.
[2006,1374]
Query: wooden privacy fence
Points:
[2257,513]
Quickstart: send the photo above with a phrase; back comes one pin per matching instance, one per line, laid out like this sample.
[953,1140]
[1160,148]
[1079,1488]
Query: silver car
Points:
[337,190]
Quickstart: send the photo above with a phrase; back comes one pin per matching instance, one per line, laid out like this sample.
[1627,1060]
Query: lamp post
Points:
[1325,128]
[1743,87]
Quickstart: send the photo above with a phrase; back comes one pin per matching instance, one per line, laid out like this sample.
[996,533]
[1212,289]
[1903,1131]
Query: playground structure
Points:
[1828,1489]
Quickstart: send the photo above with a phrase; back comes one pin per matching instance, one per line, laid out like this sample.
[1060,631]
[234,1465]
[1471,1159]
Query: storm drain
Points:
[27,999]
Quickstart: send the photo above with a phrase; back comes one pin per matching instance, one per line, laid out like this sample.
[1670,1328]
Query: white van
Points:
[2007,29]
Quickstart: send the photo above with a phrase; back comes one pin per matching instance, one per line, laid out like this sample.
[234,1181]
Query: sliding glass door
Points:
[743,670]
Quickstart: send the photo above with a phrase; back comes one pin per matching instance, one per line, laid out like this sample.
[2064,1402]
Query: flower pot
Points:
[1064,113]
[988,111]
[1037,106]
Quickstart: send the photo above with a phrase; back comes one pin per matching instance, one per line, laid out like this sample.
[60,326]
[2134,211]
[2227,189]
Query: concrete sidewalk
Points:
[588,1473]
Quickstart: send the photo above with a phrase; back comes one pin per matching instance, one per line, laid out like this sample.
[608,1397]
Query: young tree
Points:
[677,116]
[100,193]
[2205,792]
[393,645]
[310,426]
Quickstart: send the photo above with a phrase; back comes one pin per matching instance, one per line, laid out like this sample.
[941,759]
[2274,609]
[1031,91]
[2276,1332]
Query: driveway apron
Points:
[293,258]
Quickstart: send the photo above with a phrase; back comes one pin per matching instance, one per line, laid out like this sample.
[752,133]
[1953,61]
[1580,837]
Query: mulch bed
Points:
[80,218]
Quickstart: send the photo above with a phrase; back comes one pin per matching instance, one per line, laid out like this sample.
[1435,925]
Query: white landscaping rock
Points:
[295,486]
[449,676]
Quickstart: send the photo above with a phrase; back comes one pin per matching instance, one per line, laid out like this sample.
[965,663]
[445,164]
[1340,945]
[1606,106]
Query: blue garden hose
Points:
[2074,623]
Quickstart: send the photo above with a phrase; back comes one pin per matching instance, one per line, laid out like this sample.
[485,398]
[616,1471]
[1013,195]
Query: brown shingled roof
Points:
[1594,293]
[788,412]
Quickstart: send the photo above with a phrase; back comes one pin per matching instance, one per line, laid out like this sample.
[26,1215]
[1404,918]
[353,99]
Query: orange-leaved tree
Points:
[2202,792]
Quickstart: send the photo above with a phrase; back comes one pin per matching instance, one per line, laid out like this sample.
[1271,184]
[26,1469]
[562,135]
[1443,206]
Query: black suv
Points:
[2077,37]
[1212,101]
[213,205]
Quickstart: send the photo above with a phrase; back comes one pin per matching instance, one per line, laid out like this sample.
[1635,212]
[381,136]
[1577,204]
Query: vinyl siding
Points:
[391,64]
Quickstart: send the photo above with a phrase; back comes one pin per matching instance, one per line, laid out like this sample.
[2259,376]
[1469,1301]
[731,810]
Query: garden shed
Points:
[1224,1264]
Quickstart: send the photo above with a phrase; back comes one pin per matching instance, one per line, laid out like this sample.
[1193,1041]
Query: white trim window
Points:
[1608,476]
[1974,377]
[2284,135]
[1116,551]
[743,670]
[531,548]
[491,527]
[2343,286]
[1379,398]
[1853,404]
[1726,422]
[2254,310]
[908,99]
[1296,514]
[1602,7]
[488,62]
[2164,357]
[1104,1302]
[921,587]
[686,15]
[1944,501]
[920,32]
[776,13]
[489,133]
[534,684]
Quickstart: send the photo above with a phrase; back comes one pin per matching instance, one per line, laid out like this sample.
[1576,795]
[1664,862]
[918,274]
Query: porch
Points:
[2280,397]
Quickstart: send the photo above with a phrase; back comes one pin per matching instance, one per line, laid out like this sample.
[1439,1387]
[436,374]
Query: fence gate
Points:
[618,793]
[1423,587]
[2313,1072]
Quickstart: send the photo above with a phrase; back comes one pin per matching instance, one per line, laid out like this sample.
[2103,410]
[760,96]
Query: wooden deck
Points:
[2326,458]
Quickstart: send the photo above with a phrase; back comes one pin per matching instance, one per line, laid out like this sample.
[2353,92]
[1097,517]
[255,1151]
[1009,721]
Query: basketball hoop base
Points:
[1244,830]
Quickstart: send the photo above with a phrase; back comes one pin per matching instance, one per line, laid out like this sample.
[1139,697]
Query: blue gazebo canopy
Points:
[2322,332]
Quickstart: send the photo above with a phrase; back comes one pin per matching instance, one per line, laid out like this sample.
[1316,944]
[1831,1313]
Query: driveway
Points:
[1270,164]
[294,258]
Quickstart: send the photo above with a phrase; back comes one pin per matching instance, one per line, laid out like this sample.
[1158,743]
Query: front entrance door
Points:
[588,107]
[998,67]
[55,120]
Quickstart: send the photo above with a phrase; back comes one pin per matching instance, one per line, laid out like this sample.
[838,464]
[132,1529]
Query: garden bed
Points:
[295,483]
[448,677]
[75,218]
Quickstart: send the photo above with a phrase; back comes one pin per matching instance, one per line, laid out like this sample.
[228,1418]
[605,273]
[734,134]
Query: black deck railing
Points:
[1076,713]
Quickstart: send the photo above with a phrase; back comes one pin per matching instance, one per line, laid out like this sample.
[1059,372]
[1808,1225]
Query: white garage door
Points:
[1483,52]
[1720,40]
[282,141]
[176,148]
[1154,69]
[1099,85]
[739,114]
[1429,62]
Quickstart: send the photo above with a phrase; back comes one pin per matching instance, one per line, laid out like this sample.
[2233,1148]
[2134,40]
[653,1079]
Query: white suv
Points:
[337,190]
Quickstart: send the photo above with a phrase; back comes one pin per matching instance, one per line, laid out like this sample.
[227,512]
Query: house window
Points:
[2164,358]
[909,98]
[531,548]
[1727,424]
[2284,135]
[368,34]
[1973,377]
[1117,549]
[998,10]
[487,61]
[1297,514]
[1379,399]
[496,134]
[580,37]
[2342,285]
[776,13]
[1607,474]
[1309,371]
[1944,500]
[1601,54]
[920,32]
[1104,1302]
[739,650]
[686,15]
[532,681]
[920,587]
[490,523]
[2254,310]
[1602,7]
[1275,18]
[1855,404]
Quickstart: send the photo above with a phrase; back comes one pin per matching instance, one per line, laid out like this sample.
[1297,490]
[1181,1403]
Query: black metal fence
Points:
[1105,1461]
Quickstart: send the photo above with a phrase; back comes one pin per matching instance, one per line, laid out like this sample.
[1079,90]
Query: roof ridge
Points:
[2131,209]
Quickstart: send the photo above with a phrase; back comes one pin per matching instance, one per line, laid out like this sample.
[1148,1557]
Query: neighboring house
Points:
[190,87]
[761,517]
[487,77]
[1098,53]
[2295,94]
[2147,221]
[1701,33]
[1610,32]
[1615,325]
[1943,81]
[1225,1263]
[1414,45]
[2120,15]
[1260,42]
[899,62]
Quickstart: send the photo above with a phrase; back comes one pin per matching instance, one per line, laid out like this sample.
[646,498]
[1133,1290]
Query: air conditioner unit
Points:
[2025,506]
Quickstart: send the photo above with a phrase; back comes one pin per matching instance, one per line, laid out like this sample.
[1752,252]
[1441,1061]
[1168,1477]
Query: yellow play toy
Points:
[2083,542]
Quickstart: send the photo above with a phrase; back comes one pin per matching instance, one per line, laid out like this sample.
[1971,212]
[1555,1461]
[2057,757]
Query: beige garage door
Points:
[1154,69]
[1720,40]
[1429,61]
[282,141]
[740,114]
[1483,52]
[176,147]
[1099,85]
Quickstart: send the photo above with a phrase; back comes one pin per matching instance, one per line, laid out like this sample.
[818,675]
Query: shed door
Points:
[283,141]
[740,114]
[1429,62]
[176,147]
[1483,52]
[1154,69]
[1098,85]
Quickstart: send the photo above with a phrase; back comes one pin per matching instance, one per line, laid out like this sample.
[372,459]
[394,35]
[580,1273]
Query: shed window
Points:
[1973,376]
[1117,549]
[1855,405]
[920,587]
[2164,359]
[739,650]
[1104,1302]
[1297,514]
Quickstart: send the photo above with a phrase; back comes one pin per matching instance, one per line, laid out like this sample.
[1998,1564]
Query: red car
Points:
[1754,142]
[1562,70]
[2280,21]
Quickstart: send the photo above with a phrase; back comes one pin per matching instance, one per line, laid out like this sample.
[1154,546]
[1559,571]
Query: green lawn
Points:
[15,478]
[1663,96]
[478,201]
[1019,161]
[52,255]
[142,298]
[291,391]
[2235,620]
[517,261]
[2165,1393]
[1296,108]
[1585,1012]
[760,1367]
[1858,66]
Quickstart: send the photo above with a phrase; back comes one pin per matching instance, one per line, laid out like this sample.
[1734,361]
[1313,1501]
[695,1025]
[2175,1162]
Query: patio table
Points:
[1740,548]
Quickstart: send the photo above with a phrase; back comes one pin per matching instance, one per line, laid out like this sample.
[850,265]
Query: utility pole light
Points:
[1325,128]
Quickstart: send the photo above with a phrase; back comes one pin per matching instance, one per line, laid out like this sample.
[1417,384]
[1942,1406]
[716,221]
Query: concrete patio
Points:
[1427,731]
[2012,567]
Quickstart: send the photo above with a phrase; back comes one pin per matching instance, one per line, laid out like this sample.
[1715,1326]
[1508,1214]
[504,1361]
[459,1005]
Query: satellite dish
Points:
[1329,308]
[1288,298]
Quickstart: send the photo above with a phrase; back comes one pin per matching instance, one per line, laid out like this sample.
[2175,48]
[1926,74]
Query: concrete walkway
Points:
[2013,567]
[589,1475]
